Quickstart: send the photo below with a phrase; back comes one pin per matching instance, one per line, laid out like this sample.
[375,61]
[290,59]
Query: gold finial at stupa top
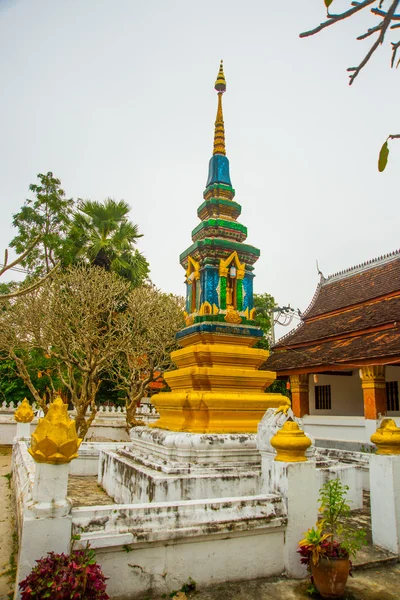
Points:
[24,412]
[290,443]
[54,440]
[387,437]
[219,133]
[220,84]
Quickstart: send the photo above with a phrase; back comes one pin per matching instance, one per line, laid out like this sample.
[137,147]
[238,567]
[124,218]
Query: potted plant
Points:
[327,548]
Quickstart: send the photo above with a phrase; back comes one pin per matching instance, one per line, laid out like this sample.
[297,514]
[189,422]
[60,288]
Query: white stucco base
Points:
[211,542]
[23,431]
[385,501]
[44,520]
[167,466]
[195,506]
[297,484]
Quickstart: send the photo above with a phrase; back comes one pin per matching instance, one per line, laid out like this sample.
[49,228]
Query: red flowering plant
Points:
[74,576]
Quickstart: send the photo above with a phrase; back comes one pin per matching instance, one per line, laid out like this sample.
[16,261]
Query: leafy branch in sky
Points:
[389,21]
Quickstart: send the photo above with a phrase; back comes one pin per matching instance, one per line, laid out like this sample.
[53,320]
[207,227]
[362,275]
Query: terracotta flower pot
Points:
[330,576]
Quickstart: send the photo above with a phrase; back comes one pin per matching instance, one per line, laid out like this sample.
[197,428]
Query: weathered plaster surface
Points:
[211,541]
[385,501]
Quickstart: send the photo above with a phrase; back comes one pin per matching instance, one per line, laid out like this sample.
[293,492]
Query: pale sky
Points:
[116,98]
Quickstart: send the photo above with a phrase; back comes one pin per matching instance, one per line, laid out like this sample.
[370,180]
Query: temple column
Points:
[374,392]
[300,394]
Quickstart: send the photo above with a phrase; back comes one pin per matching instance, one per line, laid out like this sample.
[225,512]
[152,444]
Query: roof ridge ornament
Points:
[372,262]
[320,273]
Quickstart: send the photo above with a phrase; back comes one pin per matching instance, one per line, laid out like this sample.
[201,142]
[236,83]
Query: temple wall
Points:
[346,394]
[339,428]
[163,545]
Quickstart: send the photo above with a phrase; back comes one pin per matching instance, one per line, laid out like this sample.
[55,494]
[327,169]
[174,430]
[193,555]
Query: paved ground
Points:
[7,572]
[84,491]
[373,584]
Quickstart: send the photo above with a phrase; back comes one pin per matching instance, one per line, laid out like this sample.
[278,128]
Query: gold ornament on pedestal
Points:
[55,440]
[290,442]
[24,412]
[387,438]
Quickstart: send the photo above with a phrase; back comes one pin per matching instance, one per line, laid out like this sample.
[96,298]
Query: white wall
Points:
[346,394]
[8,429]
[349,429]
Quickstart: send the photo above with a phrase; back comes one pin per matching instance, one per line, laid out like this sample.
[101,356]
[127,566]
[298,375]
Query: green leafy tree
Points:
[43,224]
[264,303]
[103,235]
[12,388]
[43,375]
[387,13]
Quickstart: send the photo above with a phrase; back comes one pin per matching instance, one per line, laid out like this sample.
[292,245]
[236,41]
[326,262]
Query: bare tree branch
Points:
[395,47]
[20,258]
[384,27]
[387,23]
[382,13]
[30,288]
[335,18]
[370,31]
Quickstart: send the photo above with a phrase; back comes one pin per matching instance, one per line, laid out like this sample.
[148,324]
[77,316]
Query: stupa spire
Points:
[219,133]
[218,387]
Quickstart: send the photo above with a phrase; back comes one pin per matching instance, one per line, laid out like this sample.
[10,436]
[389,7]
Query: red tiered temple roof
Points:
[353,319]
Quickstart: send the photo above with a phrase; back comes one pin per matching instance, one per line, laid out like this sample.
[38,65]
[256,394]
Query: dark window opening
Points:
[323,399]
[392,395]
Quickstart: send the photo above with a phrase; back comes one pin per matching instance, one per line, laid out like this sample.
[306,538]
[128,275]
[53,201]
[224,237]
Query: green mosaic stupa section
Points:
[218,263]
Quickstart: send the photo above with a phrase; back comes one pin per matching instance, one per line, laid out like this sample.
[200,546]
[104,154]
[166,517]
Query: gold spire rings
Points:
[219,133]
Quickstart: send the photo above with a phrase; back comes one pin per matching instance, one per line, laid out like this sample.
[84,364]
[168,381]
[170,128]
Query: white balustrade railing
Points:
[11,407]
[102,409]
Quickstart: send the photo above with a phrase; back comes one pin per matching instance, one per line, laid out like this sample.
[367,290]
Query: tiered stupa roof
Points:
[218,264]
[219,232]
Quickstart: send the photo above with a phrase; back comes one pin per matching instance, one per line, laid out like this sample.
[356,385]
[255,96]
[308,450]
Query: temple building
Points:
[343,359]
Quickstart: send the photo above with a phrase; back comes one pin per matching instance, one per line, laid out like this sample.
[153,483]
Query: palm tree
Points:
[103,235]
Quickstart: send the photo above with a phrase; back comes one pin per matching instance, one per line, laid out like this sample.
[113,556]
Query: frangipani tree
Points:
[77,321]
[152,320]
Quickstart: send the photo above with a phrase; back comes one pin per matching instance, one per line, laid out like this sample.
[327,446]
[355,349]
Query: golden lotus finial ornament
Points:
[24,412]
[290,442]
[55,440]
[387,437]
[220,84]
